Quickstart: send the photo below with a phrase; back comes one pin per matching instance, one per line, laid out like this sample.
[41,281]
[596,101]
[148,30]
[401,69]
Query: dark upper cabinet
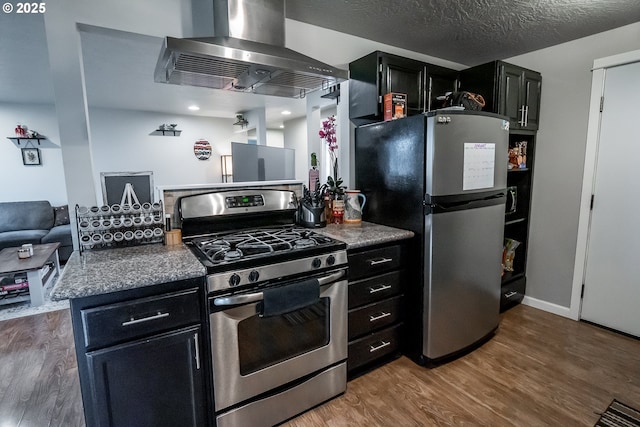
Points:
[379,73]
[508,90]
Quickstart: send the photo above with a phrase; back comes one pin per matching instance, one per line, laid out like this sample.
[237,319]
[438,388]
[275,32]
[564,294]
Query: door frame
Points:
[599,71]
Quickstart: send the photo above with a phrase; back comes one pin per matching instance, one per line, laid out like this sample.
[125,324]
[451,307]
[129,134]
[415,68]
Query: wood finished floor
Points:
[539,370]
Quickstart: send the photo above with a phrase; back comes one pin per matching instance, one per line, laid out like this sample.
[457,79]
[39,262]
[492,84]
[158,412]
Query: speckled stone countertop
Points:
[104,271]
[101,272]
[364,234]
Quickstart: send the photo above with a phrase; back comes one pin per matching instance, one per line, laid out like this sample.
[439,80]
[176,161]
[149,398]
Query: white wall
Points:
[121,142]
[560,150]
[19,182]
[295,137]
[275,138]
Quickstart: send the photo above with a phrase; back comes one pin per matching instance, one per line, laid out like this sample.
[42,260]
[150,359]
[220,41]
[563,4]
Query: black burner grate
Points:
[258,242]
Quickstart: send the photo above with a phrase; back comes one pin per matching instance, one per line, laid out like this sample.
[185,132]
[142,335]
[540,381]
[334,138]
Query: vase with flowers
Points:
[334,189]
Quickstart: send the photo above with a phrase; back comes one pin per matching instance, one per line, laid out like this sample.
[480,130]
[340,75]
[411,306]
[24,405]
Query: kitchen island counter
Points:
[104,271]
[364,234]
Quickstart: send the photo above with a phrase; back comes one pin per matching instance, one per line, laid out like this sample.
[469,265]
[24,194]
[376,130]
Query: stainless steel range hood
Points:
[245,54]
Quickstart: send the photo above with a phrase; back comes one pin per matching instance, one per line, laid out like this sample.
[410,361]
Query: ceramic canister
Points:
[354,202]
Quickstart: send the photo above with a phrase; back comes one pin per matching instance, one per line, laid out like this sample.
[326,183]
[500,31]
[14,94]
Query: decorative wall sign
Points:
[202,149]
[31,156]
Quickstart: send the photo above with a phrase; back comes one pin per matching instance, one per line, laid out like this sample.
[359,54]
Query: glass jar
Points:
[338,210]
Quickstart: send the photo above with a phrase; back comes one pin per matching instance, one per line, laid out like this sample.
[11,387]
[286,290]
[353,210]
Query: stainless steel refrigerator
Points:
[442,175]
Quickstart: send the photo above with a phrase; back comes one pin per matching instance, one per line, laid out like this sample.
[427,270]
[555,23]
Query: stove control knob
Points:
[331,260]
[316,263]
[234,280]
[254,276]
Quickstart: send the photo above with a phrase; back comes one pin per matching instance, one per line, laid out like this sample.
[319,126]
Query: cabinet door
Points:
[532,84]
[152,382]
[510,102]
[403,76]
[440,80]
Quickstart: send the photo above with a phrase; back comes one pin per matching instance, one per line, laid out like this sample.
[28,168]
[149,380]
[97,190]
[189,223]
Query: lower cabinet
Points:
[150,382]
[376,278]
[141,356]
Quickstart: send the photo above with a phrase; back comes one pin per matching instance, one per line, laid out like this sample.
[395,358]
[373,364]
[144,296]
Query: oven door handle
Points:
[238,299]
[331,278]
[258,296]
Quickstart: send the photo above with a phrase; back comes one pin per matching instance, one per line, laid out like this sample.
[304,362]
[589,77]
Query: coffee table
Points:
[33,266]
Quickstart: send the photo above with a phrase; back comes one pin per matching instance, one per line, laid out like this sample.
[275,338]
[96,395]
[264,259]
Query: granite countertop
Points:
[104,271]
[364,234]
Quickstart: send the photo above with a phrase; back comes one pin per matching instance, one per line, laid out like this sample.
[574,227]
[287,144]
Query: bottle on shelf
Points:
[314,173]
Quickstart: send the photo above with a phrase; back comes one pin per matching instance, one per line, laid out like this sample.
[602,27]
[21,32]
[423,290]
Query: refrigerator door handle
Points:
[495,196]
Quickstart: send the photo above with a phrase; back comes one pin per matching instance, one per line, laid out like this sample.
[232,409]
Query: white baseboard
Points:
[548,306]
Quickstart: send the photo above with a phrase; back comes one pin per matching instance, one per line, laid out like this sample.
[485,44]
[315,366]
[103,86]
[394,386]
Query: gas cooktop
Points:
[261,243]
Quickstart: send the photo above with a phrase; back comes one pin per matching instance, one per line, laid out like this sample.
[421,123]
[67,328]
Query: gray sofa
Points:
[35,222]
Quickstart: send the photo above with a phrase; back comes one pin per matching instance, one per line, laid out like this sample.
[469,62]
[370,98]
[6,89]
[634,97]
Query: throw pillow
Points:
[61,215]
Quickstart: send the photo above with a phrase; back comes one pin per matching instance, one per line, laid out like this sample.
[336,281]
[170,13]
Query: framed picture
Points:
[31,156]
[114,183]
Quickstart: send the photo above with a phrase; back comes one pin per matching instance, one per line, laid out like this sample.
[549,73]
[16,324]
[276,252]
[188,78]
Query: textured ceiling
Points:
[468,32]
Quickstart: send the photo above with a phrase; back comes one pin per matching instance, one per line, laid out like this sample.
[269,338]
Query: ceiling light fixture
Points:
[286,113]
[193,107]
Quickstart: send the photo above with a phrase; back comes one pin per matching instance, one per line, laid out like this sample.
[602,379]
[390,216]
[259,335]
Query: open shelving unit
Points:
[517,222]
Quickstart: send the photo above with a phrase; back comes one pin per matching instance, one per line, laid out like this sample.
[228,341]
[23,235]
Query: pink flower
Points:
[328,133]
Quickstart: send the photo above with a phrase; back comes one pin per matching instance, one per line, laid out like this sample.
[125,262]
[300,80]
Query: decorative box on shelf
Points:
[14,288]
[111,226]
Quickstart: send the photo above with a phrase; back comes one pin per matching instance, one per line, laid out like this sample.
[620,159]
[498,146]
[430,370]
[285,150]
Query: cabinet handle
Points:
[379,289]
[195,341]
[373,262]
[510,294]
[374,348]
[145,319]
[526,116]
[521,121]
[382,315]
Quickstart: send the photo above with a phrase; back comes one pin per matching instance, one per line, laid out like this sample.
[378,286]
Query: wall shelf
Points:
[166,132]
[19,138]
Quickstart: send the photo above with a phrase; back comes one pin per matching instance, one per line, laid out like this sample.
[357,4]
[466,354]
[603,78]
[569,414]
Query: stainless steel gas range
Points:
[277,297]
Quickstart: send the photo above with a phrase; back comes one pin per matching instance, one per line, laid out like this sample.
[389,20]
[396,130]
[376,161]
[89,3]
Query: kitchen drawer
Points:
[374,316]
[114,323]
[512,293]
[374,261]
[373,346]
[374,289]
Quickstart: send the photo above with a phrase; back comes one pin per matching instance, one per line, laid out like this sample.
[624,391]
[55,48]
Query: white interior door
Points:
[612,271]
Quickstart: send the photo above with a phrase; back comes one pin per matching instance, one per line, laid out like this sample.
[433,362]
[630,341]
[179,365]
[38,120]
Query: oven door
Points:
[253,354]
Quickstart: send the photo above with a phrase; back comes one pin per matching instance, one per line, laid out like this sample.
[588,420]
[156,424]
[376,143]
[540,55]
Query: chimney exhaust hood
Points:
[245,54]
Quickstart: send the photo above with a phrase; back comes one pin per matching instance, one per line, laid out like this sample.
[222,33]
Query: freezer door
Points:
[462,278]
[466,153]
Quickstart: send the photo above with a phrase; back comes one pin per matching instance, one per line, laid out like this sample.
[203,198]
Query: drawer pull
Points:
[373,262]
[380,288]
[384,344]
[195,340]
[510,294]
[145,319]
[382,315]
